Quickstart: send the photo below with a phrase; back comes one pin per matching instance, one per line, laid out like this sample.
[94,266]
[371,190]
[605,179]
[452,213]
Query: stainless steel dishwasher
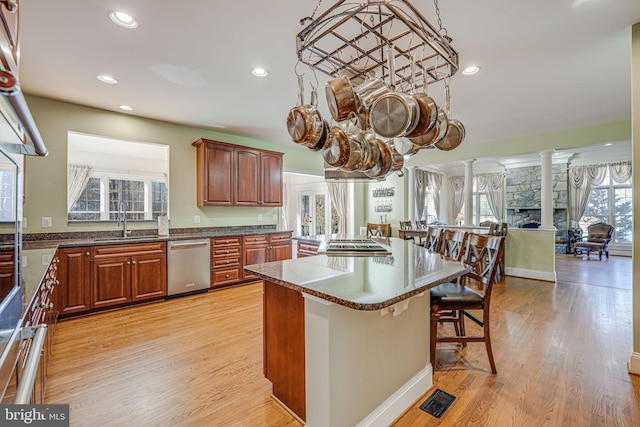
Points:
[188,266]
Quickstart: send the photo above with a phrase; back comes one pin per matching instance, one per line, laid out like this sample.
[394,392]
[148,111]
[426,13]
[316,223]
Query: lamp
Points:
[460,219]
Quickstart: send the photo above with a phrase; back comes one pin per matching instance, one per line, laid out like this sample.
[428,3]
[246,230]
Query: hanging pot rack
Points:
[352,39]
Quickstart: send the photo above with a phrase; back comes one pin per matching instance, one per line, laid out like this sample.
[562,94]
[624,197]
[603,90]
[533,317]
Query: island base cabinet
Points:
[73,295]
[284,348]
[111,279]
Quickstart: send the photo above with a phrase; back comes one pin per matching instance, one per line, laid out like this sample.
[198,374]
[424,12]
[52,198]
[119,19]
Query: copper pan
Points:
[454,136]
[336,153]
[383,165]
[357,154]
[304,123]
[341,98]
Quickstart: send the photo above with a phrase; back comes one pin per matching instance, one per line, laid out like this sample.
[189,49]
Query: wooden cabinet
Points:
[128,273]
[41,310]
[233,175]
[307,248]
[226,261]
[73,295]
[6,272]
[263,248]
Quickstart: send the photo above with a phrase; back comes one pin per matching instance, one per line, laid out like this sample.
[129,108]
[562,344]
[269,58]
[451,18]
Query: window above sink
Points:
[103,172]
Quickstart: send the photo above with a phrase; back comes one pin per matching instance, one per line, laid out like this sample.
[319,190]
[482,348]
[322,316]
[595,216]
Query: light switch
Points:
[46,222]
[275,217]
[260,217]
[24,222]
[196,219]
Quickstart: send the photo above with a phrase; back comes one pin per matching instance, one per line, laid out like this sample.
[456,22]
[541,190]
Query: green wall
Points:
[46,178]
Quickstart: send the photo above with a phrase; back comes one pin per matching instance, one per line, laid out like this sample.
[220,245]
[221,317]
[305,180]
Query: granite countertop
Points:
[35,263]
[364,283]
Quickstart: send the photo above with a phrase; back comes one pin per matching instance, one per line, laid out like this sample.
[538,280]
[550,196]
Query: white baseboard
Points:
[400,401]
[546,276]
[634,363]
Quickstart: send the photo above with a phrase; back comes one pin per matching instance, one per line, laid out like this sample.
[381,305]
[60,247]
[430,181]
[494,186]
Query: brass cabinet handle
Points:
[87,254]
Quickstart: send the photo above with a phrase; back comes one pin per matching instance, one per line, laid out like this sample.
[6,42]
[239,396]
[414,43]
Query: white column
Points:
[468,192]
[411,192]
[546,193]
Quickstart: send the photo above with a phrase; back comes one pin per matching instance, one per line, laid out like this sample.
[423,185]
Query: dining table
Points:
[421,233]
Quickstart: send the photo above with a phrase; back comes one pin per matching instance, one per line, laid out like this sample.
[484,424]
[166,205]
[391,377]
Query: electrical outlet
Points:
[46,222]
[196,219]
[363,231]
[275,217]
[260,217]
[24,222]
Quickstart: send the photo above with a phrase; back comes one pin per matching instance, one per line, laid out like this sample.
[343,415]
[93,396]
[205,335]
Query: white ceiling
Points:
[546,65]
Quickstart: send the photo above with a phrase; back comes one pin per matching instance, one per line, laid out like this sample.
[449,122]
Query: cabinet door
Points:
[111,281]
[280,251]
[73,292]
[271,168]
[256,250]
[247,177]
[148,277]
[215,175]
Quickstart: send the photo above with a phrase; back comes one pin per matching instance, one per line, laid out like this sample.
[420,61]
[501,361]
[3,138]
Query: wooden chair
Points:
[406,225]
[421,224]
[598,237]
[432,240]
[378,230]
[452,243]
[451,302]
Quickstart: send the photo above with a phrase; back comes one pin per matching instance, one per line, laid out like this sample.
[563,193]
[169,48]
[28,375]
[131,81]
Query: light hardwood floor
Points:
[561,351]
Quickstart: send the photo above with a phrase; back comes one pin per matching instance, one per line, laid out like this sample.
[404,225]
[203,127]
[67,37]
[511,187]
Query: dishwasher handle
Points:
[187,245]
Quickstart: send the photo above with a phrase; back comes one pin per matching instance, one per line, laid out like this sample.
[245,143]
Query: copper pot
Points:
[383,165]
[336,153]
[397,160]
[304,123]
[428,115]
[357,154]
[454,136]
[341,98]
[324,140]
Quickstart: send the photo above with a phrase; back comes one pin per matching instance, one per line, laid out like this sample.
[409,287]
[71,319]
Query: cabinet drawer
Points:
[221,277]
[256,240]
[217,264]
[225,252]
[224,242]
[278,237]
[127,250]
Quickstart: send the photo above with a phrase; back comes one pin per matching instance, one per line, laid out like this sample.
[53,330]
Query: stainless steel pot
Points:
[383,165]
[304,123]
[394,114]
[372,150]
[405,146]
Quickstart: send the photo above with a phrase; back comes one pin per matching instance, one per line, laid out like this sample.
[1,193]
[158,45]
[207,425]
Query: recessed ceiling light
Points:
[259,72]
[107,79]
[608,144]
[470,70]
[126,107]
[123,19]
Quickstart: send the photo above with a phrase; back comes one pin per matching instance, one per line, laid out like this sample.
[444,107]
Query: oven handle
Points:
[25,386]
[187,245]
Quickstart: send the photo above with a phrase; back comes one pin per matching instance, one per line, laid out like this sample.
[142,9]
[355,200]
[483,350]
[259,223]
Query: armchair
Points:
[598,237]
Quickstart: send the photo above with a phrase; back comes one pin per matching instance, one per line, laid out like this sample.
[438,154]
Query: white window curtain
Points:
[581,179]
[422,183]
[338,194]
[436,185]
[620,171]
[457,193]
[77,178]
[492,184]
[283,209]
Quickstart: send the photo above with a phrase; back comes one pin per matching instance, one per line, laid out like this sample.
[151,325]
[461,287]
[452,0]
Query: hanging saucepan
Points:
[336,153]
[443,124]
[383,165]
[341,98]
[372,150]
[454,136]
[394,114]
[366,94]
[304,123]
[397,160]
[357,154]
[324,140]
[428,107]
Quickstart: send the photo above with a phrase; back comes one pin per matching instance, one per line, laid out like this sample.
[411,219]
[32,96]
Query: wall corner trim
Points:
[634,363]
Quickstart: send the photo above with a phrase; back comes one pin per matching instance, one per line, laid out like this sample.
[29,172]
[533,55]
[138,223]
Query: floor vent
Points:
[438,403]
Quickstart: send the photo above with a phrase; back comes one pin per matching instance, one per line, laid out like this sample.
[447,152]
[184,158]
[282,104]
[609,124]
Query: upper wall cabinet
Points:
[233,175]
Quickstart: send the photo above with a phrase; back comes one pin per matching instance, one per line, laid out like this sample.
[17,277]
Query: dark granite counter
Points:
[364,283]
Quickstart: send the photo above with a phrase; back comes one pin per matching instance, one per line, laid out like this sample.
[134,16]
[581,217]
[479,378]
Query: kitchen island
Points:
[346,338]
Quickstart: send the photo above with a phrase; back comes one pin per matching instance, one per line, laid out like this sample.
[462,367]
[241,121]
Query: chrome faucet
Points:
[122,218]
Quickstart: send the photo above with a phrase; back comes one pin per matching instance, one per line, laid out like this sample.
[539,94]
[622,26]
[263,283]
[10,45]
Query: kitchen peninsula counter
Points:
[346,338]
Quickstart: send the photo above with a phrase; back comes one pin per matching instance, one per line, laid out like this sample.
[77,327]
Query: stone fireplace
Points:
[523,197]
